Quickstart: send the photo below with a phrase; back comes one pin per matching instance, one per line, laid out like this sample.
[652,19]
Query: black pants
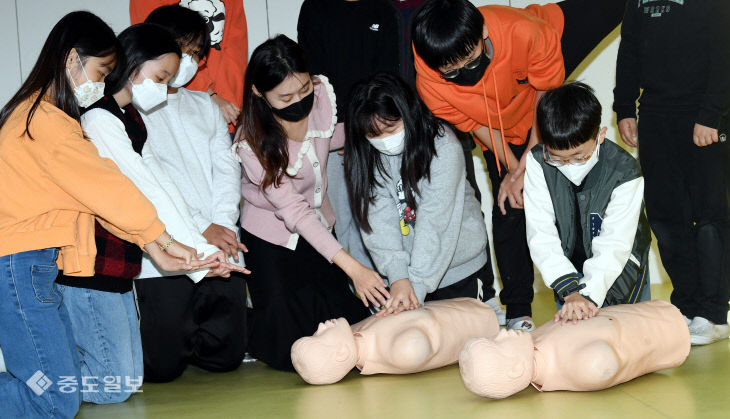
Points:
[510,246]
[292,291]
[687,194]
[479,285]
[183,323]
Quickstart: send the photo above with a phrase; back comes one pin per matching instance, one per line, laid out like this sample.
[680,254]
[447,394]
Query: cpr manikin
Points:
[412,341]
[621,343]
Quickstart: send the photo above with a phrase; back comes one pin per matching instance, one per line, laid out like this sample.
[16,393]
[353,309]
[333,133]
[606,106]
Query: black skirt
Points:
[292,291]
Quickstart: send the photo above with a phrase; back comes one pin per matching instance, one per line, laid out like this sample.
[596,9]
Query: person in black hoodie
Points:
[678,52]
[347,40]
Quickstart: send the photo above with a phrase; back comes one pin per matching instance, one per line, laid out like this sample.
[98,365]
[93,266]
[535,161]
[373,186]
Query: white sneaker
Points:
[247,358]
[703,332]
[523,323]
[501,315]
[2,363]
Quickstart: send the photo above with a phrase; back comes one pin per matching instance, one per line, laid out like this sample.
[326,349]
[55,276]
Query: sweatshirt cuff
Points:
[566,285]
[198,275]
[151,233]
[708,118]
[594,290]
[624,111]
[329,250]
[420,290]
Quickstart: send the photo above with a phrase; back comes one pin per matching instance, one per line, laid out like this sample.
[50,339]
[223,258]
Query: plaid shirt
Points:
[117,261]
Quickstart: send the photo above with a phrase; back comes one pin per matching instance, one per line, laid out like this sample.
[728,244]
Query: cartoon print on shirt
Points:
[214,13]
[407,214]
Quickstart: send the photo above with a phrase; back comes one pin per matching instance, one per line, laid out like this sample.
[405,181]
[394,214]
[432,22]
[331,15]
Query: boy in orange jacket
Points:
[484,69]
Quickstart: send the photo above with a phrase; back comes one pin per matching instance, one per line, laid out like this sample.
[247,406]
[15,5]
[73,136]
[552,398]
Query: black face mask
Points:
[297,110]
[470,77]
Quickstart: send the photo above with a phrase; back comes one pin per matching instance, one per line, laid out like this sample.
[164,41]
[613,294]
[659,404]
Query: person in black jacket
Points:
[347,41]
[677,52]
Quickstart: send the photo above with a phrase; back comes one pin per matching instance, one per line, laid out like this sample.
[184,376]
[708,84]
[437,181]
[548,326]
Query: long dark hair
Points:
[141,42]
[271,63]
[85,32]
[386,97]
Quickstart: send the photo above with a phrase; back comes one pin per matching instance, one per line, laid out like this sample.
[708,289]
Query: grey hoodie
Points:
[441,243]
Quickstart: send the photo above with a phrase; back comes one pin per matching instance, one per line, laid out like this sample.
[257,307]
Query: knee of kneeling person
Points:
[163,371]
[106,396]
[595,366]
[219,364]
[411,349]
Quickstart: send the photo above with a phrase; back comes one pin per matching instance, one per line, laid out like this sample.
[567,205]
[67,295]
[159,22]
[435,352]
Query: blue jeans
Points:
[644,294]
[106,331]
[36,339]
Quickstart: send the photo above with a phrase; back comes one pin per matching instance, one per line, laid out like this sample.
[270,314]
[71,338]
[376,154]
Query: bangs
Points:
[373,127]
[446,32]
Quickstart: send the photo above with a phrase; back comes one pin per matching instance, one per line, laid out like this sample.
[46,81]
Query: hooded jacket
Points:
[527,57]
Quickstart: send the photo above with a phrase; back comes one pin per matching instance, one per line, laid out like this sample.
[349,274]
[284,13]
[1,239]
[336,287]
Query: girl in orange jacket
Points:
[54,185]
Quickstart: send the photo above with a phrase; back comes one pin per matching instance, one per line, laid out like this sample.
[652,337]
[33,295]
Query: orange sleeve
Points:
[73,163]
[545,68]
[225,68]
[140,9]
[430,95]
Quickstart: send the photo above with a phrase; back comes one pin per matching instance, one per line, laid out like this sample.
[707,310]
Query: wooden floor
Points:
[699,388]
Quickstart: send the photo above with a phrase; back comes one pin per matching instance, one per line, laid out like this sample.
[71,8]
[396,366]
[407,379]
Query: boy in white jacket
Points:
[586,228]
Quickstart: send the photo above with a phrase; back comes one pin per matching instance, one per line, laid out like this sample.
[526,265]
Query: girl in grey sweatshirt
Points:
[407,186]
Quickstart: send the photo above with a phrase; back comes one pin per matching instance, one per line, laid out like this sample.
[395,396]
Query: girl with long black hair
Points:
[407,186]
[287,129]
[54,185]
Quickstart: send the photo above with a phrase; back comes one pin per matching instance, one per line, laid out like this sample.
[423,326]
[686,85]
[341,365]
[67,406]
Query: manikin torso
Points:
[424,339]
[620,343]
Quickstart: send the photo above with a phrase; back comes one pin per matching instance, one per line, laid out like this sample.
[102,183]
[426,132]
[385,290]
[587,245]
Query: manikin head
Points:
[499,367]
[328,355]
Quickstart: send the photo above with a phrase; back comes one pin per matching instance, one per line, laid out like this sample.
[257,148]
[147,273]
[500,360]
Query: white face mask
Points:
[148,94]
[185,73]
[577,173]
[391,145]
[89,91]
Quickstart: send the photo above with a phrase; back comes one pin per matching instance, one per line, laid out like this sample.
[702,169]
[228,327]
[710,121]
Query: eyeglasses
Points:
[575,161]
[471,65]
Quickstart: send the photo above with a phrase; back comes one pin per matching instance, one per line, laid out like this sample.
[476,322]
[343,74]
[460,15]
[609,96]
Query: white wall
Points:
[10,80]
[25,24]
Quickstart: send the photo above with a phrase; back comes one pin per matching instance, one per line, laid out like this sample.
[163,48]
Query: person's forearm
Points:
[483,136]
[344,261]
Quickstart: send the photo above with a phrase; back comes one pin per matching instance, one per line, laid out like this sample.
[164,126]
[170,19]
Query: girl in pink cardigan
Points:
[299,270]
